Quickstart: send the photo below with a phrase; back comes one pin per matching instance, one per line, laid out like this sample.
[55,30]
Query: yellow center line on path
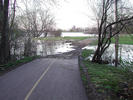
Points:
[38,81]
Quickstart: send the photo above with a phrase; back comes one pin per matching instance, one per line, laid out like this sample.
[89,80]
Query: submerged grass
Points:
[86,53]
[106,77]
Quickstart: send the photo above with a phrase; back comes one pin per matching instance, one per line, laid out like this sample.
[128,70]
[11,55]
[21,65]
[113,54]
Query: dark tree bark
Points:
[117,36]
[104,39]
[1,16]
[4,45]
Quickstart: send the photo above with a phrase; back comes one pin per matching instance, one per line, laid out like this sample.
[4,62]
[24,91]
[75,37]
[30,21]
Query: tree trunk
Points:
[27,48]
[117,36]
[97,55]
[4,45]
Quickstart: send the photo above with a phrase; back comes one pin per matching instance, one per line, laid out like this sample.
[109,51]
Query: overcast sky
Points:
[69,13]
[73,13]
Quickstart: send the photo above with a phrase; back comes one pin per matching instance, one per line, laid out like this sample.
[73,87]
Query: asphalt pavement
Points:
[44,79]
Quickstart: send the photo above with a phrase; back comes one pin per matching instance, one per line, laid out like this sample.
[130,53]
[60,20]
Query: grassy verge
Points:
[62,38]
[16,63]
[107,78]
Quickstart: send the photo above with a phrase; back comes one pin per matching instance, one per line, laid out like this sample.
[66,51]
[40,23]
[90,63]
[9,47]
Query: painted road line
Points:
[38,81]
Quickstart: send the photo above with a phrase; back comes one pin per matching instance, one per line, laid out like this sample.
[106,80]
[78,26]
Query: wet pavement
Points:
[44,79]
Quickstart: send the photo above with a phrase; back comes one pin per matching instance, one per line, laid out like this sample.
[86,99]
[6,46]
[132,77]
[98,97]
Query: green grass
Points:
[18,62]
[62,38]
[124,39]
[86,53]
[106,77]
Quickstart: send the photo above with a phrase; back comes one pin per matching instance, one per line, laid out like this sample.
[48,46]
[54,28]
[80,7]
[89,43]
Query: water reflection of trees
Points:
[49,47]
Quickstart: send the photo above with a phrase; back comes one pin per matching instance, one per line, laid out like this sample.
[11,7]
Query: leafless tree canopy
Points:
[35,23]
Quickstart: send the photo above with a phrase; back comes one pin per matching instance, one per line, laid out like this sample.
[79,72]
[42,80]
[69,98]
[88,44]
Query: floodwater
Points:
[125,54]
[57,47]
[43,48]
[53,47]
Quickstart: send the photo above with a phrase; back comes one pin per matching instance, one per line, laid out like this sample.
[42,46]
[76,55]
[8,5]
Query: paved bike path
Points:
[44,79]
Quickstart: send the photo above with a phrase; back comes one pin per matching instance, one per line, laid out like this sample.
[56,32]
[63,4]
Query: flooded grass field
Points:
[125,54]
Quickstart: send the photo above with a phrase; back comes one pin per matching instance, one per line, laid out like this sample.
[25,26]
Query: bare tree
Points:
[8,34]
[36,23]
[35,20]
[122,9]
[12,13]
[104,12]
